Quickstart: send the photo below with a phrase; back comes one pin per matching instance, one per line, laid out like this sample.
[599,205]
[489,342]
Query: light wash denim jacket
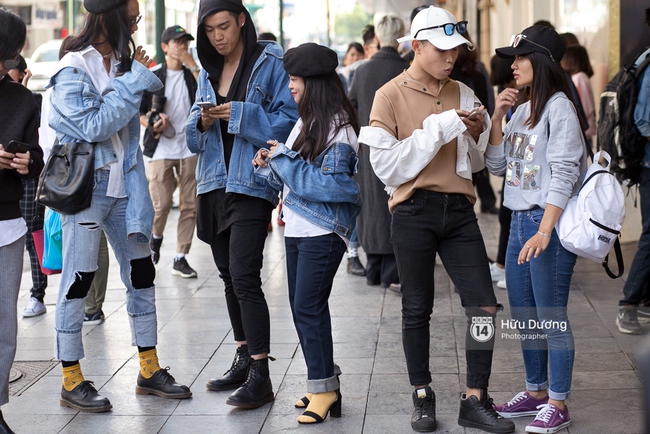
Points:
[269,113]
[322,191]
[79,112]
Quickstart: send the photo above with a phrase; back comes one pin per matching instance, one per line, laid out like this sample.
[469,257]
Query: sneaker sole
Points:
[431,428]
[94,322]
[643,320]
[65,403]
[518,414]
[146,391]
[255,404]
[627,331]
[548,430]
[488,428]
[33,314]
[180,273]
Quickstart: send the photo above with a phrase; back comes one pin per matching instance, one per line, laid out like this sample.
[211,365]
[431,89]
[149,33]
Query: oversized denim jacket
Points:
[269,113]
[80,112]
[322,191]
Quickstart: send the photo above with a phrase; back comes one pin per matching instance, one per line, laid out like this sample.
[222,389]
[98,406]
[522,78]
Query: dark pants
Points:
[636,287]
[430,223]
[238,254]
[312,263]
[34,215]
[381,269]
[505,217]
[484,189]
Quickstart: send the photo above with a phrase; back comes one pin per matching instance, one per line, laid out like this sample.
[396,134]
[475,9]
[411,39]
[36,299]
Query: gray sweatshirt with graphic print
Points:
[542,165]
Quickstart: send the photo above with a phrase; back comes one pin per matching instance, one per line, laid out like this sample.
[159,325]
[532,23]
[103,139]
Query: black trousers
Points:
[430,223]
[238,252]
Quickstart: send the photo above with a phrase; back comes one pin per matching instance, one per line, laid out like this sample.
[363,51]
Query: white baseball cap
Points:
[439,27]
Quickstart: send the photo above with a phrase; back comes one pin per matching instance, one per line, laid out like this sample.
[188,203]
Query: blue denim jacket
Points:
[269,113]
[80,112]
[322,191]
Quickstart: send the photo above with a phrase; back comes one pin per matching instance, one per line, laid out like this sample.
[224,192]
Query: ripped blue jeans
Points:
[81,235]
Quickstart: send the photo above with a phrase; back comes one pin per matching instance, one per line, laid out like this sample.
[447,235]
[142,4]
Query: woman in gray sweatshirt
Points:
[542,153]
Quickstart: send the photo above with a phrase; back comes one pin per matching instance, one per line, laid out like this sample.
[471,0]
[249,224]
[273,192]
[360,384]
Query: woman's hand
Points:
[141,56]
[504,102]
[533,247]
[260,158]
[18,161]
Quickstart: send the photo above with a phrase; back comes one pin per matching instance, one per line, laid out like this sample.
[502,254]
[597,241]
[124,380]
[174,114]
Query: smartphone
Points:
[15,147]
[206,104]
[475,112]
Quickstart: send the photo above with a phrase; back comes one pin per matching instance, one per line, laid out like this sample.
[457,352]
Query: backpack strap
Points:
[597,172]
[619,260]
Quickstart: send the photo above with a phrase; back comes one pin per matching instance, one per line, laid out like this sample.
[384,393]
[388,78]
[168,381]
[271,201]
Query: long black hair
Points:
[323,102]
[114,26]
[548,79]
[12,34]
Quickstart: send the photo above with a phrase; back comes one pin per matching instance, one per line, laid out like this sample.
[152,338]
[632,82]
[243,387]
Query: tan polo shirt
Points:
[400,107]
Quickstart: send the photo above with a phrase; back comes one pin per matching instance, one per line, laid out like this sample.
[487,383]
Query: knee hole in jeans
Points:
[143,273]
[80,286]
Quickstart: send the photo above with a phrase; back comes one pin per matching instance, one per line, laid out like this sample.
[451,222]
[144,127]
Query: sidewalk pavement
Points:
[196,341]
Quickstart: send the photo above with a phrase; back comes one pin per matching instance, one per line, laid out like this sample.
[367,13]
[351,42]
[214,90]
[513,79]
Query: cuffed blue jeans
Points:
[81,236]
[539,293]
[311,266]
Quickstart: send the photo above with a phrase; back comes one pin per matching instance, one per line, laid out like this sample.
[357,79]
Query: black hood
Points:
[211,60]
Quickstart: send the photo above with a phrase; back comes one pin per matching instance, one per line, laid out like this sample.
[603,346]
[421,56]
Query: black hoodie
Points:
[212,61]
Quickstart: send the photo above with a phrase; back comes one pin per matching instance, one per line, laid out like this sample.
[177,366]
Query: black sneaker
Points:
[424,410]
[94,318]
[627,320]
[182,268]
[155,244]
[481,414]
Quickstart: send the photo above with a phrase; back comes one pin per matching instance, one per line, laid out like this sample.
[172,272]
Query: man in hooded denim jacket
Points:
[246,83]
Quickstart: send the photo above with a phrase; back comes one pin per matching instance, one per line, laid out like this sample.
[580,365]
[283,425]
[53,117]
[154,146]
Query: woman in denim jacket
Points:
[95,97]
[321,203]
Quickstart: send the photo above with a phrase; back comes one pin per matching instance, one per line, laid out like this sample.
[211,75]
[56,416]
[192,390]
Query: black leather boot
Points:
[4,428]
[85,397]
[155,244]
[236,375]
[481,414]
[355,267]
[257,390]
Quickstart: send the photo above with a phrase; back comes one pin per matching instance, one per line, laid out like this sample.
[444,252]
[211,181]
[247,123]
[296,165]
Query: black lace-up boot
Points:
[236,375]
[257,390]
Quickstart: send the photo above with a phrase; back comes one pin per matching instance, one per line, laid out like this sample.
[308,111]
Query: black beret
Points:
[310,59]
[101,6]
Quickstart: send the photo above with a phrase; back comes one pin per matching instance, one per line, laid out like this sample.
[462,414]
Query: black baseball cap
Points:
[538,39]
[175,32]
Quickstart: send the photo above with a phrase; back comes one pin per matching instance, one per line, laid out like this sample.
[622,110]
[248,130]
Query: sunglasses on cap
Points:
[516,40]
[10,63]
[461,27]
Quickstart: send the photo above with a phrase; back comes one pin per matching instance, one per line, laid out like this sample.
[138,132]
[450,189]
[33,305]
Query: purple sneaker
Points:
[550,419]
[521,405]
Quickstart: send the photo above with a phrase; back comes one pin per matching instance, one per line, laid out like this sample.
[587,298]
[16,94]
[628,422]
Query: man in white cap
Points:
[424,146]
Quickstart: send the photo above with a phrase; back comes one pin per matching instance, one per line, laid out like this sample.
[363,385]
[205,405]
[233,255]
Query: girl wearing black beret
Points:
[321,202]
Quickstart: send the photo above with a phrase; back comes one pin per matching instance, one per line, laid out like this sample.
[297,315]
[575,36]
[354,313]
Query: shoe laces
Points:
[425,406]
[164,372]
[517,398]
[546,412]
[86,387]
[488,405]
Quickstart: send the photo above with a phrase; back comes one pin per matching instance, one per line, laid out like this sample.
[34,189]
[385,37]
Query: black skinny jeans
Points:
[430,223]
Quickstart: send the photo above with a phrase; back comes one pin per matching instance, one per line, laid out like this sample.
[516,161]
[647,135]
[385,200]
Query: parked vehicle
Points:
[43,64]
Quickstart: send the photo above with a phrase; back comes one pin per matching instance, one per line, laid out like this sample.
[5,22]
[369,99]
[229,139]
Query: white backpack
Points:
[591,221]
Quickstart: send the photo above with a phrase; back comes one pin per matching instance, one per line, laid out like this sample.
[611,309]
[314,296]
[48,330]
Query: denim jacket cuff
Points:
[236,115]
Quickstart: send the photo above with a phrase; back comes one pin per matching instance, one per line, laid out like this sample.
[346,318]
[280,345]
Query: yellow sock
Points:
[72,377]
[319,404]
[148,363]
